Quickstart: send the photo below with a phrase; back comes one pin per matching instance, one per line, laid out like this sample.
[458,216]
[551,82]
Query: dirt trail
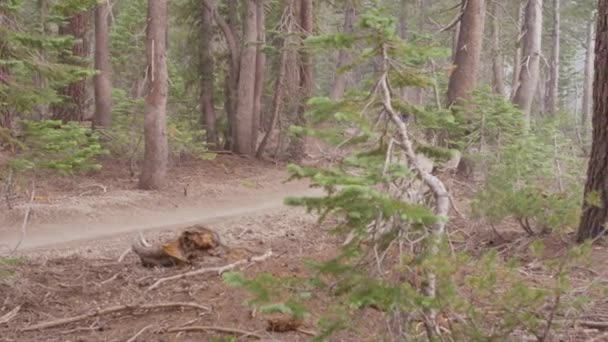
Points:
[127,220]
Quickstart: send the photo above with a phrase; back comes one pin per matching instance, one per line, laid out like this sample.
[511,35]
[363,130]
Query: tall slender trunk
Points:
[498,72]
[521,10]
[297,147]
[260,66]
[244,143]
[552,104]
[74,106]
[464,77]
[588,84]
[231,81]
[156,152]
[531,44]
[103,85]
[344,56]
[595,212]
[207,69]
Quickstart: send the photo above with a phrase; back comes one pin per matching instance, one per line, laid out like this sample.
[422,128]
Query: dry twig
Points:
[141,331]
[10,315]
[241,333]
[26,217]
[106,311]
[218,269]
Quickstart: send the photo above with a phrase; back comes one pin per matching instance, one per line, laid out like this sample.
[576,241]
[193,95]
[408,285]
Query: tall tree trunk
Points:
[156,152]
[464,77]
[244,143]
[73,108]
[521,10]
[498,71]
[260,66]
[595,207]
[231,82]
[344,57]
[531,45]
[297,147]
[588,84]
[552,104]
[103,85]
[207,69]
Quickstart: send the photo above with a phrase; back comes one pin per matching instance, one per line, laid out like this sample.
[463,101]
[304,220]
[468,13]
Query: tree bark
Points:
[103,85]
[498,72]
[156,152]
[260,67]
[551,106]
[588,84]
[531,45]
[74,106]
[464,77]
[517,57]
[595,212]
[244,143]
[207,68]
[297,147]
[344,57]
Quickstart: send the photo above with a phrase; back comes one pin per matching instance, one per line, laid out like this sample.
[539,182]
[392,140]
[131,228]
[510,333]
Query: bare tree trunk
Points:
[588,85]
[74,107]
[595,213]
[498,72]
[156,152]
[297,147]
[464,77]
[207,68]
[244,143]
[531,44]
[103,85]
[344,57]
[260,66]
[552,104]
[517,57]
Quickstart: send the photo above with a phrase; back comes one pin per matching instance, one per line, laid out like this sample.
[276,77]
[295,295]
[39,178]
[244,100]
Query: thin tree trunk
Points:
[531,45]
[103,85]
[297,147]
[588,84]
[260,65]
[517,56]
[156,152]
[595,207]
[74,106]
[464,77]
[244,143]
[344,57]
[207,68]
[552,104]
[498,72]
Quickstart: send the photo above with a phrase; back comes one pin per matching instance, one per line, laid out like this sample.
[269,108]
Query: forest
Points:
[303,170]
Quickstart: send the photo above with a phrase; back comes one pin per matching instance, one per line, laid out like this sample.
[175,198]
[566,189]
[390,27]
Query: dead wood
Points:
[193,243]
[10,315]
[241,333]
[141,331]
[218,269]
[110,310]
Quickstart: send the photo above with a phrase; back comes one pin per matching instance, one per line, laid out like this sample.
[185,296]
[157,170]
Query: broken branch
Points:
[110,310]
[218,269]
[241,333]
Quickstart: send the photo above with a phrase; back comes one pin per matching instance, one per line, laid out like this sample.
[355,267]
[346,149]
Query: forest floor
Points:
[68,262]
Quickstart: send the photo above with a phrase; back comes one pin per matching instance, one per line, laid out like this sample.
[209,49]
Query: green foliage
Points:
[536,179]
[62,147]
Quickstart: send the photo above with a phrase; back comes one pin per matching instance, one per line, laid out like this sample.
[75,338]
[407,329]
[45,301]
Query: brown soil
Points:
[79,277]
